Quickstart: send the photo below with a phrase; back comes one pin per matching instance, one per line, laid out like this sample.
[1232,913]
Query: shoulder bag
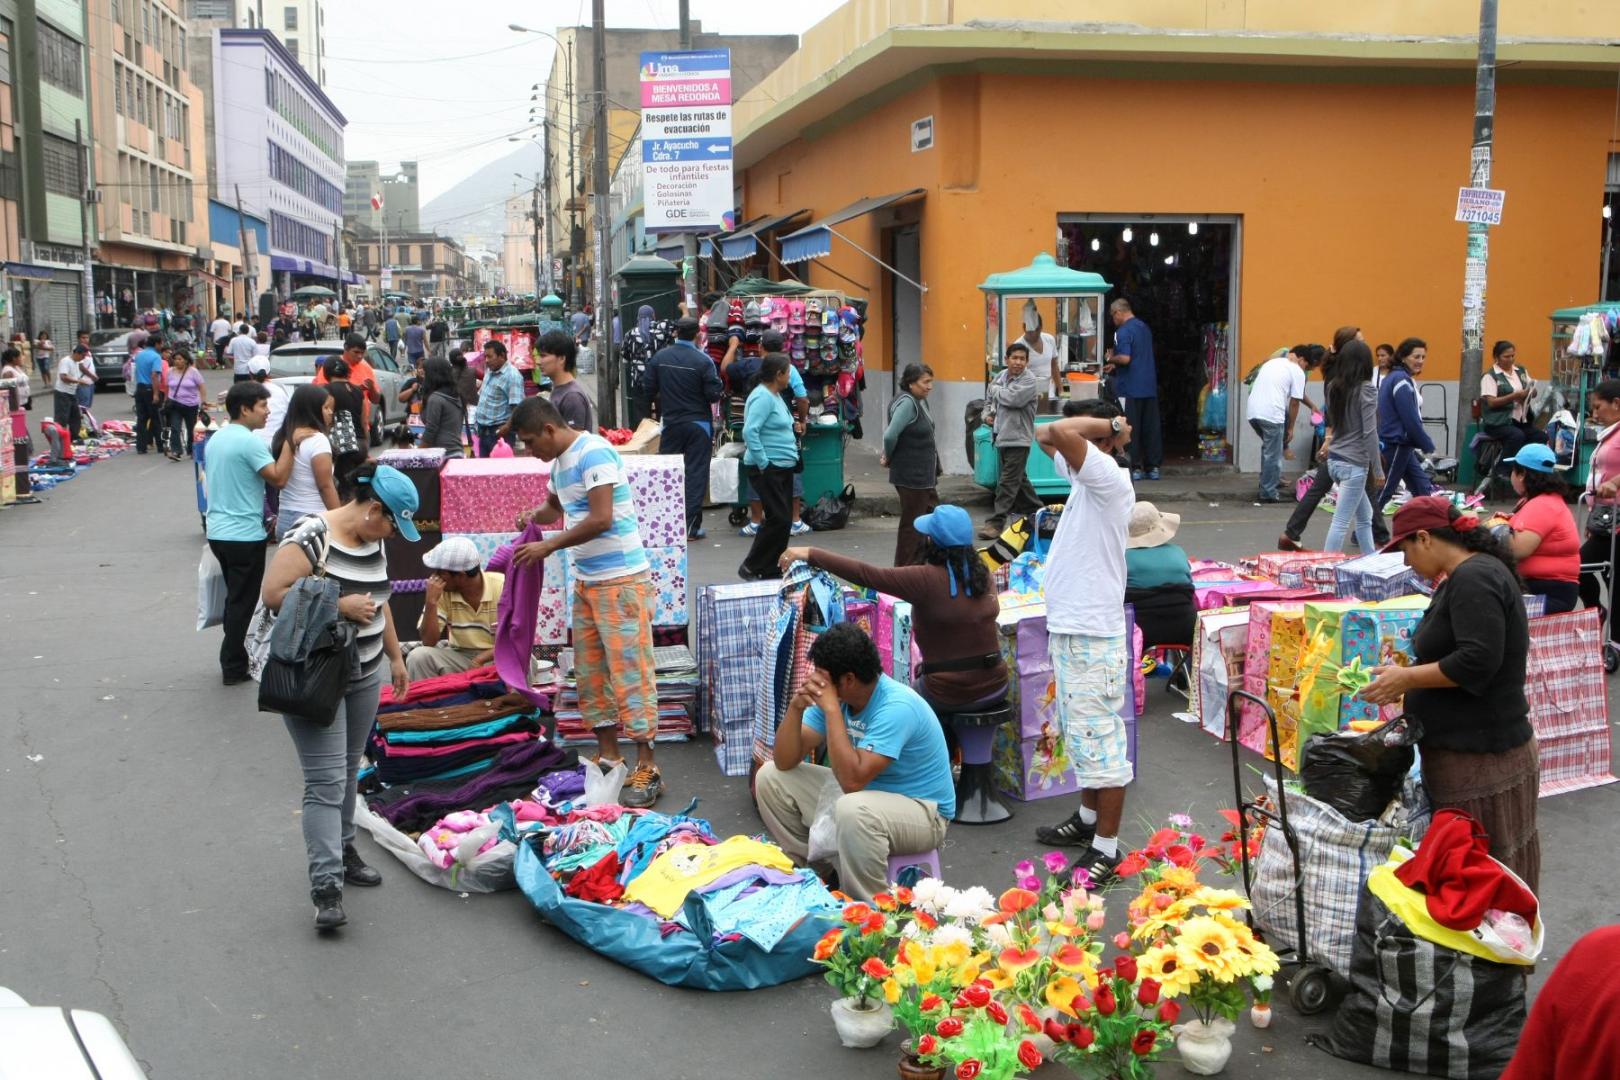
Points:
[312,687]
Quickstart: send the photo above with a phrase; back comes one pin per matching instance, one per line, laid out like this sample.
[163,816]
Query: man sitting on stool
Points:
[886,752]
[462,599]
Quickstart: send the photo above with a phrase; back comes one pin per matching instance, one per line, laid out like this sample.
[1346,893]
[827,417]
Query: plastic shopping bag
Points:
[723,478]
[602,788]
[210,590]
[823,842]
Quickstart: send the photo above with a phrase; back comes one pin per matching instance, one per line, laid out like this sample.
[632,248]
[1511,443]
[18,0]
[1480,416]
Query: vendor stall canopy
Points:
[1044,277]
[754,285]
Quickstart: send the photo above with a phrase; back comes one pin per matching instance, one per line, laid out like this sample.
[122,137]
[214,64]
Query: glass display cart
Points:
[1579,363]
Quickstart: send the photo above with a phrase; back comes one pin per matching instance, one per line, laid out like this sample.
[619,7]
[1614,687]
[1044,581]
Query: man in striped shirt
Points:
[613,644]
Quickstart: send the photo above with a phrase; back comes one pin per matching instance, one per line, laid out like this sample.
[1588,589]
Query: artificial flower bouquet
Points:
[854,953]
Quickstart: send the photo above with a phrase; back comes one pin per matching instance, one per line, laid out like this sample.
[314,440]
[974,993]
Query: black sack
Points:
[1359,772]
[831,511]
[1418,1007]
[313,687]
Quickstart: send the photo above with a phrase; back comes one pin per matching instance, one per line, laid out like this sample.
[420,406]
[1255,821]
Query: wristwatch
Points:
[1117,423]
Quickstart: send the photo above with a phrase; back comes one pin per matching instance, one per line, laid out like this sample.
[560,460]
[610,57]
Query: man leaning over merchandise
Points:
[462,603]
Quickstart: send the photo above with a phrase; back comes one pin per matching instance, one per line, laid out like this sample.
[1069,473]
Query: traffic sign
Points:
[686,147]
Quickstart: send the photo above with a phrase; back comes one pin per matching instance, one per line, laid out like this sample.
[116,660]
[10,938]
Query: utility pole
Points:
[545,222]
[337,261]
[87,195]
[534,213]
[599,167]
[247,279]
[689,239]
[1479,176]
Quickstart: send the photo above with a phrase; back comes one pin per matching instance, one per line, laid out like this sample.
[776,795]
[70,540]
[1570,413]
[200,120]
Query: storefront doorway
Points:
[1180,274]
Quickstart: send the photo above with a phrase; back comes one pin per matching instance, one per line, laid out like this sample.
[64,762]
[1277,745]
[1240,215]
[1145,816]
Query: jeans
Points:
[1321,484]
[1147,450]
[330,756]
[914,503]
[182,422]
[1014,493]
[774,486]
[147,422]
[690,440]
[1271,452]
[242,563]
[488,437]
[1354,505]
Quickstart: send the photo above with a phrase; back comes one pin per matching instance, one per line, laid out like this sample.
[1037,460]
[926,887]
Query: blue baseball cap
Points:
[395,491]
[1536,457]
[948,526]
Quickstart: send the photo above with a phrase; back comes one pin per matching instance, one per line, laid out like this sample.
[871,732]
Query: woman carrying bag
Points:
[912,457]
[187,392]
[1602,489]
[771,457]
[351,538]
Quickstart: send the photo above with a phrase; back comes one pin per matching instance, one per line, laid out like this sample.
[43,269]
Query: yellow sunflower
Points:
[1219,899]
[1253,957]
[1207,947]
[1163,964]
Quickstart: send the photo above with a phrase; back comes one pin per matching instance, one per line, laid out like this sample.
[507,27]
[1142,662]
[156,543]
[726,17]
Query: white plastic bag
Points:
[602,788]
[823,842]
[723,480]
[210,590]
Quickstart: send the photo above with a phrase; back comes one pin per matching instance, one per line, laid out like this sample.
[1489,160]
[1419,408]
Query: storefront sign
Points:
[686,140]
[1480,206]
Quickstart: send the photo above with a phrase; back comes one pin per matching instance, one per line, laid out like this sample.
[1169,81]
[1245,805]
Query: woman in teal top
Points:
[771,457]
[1158,578]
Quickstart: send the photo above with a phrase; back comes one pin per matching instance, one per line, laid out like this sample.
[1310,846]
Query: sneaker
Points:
[750,529]
[643,787]
[697,534]
[1099,867]
[1288,543]
[1070,832]
[603,765]
[355,870]
[328,907]
[799,528]
[1136,474]
[1153,474]
[1266,500]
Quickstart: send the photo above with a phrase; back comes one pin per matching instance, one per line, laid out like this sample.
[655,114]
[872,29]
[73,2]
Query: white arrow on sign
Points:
[717,149]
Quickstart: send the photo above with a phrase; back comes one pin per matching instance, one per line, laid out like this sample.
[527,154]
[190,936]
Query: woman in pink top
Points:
[186,393]
[1544,537]
[1602,488]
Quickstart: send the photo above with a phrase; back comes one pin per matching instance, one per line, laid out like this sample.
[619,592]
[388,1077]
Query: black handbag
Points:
[1600,522]
[312,688]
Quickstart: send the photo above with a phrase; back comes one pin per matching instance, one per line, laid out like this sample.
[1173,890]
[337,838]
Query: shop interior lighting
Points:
[1096,244]
[1608,211]
[1126,236]
[1153,238]
[1192,228]
[1169,260]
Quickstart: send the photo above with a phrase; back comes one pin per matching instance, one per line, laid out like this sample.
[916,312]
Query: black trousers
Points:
[1014,493]
[147,420]
[242,562]
[67,413]
[1147,444]
[773,486]
[688,439]
[1595,549]
[182,422]
[1321,484]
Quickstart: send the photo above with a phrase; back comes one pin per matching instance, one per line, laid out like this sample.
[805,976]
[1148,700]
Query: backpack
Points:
[345,439]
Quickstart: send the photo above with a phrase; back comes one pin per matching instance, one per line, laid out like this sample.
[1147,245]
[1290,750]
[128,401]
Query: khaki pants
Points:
[872,825]
[441,659]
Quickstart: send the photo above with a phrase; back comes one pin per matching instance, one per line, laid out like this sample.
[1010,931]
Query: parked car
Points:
[63,1044]
[294,364]
[109,349]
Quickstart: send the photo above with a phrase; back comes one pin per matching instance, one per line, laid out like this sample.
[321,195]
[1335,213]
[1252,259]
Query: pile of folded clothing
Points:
[678,686]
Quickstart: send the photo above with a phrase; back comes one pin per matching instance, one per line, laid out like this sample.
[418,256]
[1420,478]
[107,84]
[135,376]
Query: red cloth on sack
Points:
[599,883]
[1566,1037]
[1458,878]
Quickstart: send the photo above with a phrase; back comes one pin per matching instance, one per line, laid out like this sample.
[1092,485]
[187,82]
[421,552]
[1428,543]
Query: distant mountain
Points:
[473,210]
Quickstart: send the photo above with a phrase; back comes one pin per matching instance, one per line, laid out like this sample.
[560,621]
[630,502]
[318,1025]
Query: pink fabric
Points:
[424,690]
[516,616]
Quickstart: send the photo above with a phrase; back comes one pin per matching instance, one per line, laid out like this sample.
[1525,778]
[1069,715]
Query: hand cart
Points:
[1605,573]
[1310,988]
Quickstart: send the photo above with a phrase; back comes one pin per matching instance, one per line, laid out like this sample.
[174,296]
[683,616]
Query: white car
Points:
[294,364]
[39,1043]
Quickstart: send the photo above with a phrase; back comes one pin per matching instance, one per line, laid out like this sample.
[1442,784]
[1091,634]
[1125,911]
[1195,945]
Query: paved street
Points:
[156,868]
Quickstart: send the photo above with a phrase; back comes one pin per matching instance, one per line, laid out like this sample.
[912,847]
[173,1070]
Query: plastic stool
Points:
[976,800]
[907,870]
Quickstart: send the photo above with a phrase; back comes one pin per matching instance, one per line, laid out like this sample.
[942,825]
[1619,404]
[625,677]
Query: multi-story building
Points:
[278,141]
[517,246]
[47,172]
[152,248]
[10,170]
[420,264]
[300,26]
[401,210]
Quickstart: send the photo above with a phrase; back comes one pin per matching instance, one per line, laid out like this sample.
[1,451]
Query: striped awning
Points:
[815,240]
[745,241]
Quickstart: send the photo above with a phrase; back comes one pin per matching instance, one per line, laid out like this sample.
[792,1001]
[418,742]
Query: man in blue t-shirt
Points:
[886,751]
[1136,381]
[237,466]
[149,391]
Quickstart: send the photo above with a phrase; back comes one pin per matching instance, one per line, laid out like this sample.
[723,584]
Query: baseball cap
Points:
[395,491]
[1422,514]
[259,365]
[948,526]
[456,553]
[1537,457]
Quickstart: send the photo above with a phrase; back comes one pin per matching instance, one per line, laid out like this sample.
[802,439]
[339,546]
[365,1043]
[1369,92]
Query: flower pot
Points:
[1260,1015]
[859,1028]
[1204,1048]
[912,1068]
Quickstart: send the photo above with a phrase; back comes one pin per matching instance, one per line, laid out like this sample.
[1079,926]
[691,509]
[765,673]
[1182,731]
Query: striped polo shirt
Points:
[591,462]
[362,569]
[468,627]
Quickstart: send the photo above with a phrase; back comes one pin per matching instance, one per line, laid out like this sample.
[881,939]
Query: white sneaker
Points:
[800,528]
[750,529]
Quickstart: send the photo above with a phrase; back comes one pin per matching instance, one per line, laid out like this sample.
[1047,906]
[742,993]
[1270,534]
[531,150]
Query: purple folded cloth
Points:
[766,874]
[562,785]
[511,775]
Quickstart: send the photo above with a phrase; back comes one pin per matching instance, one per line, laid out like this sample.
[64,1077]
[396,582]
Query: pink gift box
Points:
[484,495]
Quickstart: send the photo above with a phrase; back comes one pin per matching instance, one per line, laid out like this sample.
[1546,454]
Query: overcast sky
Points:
[445,83]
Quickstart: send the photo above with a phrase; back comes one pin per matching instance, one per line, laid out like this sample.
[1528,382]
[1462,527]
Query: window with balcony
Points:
[61,60]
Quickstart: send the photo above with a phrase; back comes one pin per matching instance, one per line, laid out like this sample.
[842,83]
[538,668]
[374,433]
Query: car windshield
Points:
[297,360]
[102,338]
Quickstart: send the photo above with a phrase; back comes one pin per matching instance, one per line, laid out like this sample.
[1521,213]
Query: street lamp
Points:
[573,135]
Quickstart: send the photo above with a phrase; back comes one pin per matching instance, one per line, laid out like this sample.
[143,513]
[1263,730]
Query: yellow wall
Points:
[1346,191]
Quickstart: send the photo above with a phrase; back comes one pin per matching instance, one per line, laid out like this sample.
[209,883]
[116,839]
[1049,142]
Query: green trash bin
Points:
[823,455]
[986,458]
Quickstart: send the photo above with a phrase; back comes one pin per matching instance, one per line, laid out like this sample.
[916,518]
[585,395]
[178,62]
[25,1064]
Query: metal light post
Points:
[573,137]
[534,216]
[609,398]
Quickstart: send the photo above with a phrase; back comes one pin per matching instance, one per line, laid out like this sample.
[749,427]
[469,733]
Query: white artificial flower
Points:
[1000,936]
[1261,983]
[925,894]
[952,935]
[972,905]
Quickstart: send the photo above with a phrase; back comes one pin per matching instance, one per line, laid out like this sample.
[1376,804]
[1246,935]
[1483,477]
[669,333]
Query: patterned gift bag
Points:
[1569,705]
[1218,649]
[1378,635]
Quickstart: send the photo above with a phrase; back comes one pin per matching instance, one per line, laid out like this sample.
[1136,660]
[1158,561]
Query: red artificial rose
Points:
[875,967]
[1132,864]
[1180,855]
[1031,1022]
[949,1028]
[996,1012]
[1196,842]
[1080,1035]
[976,995]
[927,1045]
[1169,1012]
[930,1002]
[968,1069]
[927,921]
[1105,1000]
[1028,1056]
[1055,1031]
[1143,1043]
[857,913]
[1125,968]
[1163,838]
[1079,1005]
[1148,992]
[875,924]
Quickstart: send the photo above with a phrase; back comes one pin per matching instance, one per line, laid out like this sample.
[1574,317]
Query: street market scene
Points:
[949,540]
